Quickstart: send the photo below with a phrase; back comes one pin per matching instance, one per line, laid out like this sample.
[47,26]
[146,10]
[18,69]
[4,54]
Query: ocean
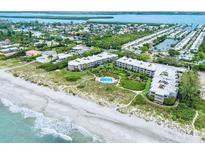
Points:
[132,17]
[22,125]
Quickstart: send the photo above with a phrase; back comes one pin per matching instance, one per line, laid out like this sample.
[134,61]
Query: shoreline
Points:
[102,121]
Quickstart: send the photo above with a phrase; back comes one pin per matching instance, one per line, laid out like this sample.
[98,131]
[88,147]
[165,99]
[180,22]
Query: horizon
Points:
[106,5]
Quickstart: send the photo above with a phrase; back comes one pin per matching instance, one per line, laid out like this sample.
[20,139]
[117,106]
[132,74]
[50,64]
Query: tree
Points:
[9,33]
[169,100]
[30,34]
[145,47]
[202,67]
[167,60]
[173,53]
[189,88]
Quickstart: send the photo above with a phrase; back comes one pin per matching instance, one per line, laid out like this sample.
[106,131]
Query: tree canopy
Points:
[189,88]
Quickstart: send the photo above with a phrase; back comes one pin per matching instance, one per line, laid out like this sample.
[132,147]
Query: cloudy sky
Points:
[102,5]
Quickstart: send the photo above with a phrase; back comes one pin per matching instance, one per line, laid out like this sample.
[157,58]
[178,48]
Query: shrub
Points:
[200,122]
[170,100]
[73,78]
[173,53]
[81,86]
[202,67]
[139,100]
[17,54]
[182,113]
[51,67]
[151,98]
[109,88]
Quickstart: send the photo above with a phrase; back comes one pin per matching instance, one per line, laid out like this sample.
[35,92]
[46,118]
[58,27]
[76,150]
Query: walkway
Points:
[124,106]
[194,119]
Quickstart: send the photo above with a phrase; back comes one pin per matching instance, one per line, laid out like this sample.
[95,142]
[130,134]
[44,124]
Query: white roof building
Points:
[185,41]
[47,56]
[9,49]
[164,83]
[79,64]
[198,42]
[165,78]
[80,49]
[9,46]
[147,39]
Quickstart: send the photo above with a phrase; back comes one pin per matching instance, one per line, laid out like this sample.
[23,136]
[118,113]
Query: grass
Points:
[200,121]
[147,87]
[84,83]
[71,76]
[133,85]
[181,113]
[9,63]
[139,100]
[107,92]
[128,77]
[74,82]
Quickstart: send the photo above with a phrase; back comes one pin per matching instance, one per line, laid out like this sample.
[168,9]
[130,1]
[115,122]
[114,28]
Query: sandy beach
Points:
[101,121]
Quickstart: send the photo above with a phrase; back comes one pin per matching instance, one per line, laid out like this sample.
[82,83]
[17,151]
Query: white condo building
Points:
[91,61]
[197,42]
[165,78]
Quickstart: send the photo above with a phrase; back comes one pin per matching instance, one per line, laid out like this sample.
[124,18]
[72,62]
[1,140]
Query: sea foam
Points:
[49,126]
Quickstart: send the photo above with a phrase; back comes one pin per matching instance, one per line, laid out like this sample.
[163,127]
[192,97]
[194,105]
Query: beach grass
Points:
[10,63]
[108,92]
[77,83]
[83,84]
[179,113]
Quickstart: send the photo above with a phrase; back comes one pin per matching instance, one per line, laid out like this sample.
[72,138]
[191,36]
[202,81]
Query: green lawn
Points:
[133,85]
[71,76]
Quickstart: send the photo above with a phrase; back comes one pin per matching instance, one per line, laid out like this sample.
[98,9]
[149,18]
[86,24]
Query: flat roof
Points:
[86,60]
[165,77]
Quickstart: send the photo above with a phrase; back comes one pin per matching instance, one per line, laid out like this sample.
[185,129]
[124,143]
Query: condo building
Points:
[165,79]
[195,46]
[91,61]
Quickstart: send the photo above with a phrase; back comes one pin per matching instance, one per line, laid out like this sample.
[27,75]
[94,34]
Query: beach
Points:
[102,122]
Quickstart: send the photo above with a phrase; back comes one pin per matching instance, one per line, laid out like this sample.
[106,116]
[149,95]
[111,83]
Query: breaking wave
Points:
[50,126]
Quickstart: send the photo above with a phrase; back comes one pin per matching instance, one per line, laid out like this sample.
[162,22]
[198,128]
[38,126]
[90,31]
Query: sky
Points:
[102,5]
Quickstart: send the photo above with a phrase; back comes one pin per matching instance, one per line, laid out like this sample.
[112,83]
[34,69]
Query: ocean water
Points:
[22,125]
[129,17]
[164,19]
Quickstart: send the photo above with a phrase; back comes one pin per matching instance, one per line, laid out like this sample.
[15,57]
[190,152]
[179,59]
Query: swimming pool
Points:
[106,79]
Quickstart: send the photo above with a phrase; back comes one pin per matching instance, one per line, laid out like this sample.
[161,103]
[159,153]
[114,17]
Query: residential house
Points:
[80,49]
[47,56]
[32,53]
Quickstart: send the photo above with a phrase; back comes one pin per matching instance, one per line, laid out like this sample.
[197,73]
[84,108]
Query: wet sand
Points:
[102,121]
